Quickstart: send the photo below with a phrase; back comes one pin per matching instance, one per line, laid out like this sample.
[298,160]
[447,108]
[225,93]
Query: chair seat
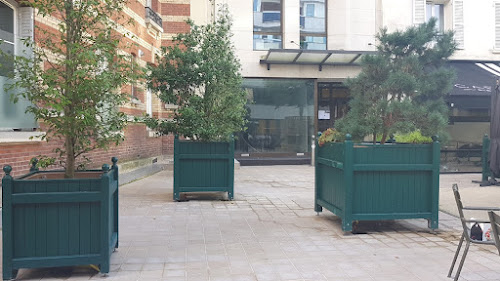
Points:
[466,230]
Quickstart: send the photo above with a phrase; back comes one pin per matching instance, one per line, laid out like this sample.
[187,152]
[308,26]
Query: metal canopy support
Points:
[323,61]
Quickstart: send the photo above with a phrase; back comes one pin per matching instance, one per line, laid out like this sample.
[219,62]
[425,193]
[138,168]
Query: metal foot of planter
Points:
[367,182]
[49,221]
[203,167]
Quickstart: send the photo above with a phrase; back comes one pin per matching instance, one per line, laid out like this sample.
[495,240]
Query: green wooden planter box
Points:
[50,222]
[378,182]
[203,167]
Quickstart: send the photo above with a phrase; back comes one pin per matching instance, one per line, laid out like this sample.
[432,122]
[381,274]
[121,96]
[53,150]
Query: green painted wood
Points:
[378,182]
[55,197]
[203,167]
[49,223]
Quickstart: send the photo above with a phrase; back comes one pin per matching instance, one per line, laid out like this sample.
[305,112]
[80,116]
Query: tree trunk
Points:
[70,158]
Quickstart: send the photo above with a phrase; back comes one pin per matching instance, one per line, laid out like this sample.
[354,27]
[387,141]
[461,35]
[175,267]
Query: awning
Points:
[312,57]
[474,78]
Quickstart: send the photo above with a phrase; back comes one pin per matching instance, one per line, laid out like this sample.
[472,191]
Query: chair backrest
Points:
[495,228]
[460,207]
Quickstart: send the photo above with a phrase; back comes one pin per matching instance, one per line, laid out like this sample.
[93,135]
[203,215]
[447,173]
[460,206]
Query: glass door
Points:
[333,99]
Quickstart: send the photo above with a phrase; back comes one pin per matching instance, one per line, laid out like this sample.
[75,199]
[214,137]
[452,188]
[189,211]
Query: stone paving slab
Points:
[270,232]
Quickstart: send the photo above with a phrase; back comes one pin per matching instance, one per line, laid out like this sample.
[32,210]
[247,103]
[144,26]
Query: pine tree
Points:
[402,87]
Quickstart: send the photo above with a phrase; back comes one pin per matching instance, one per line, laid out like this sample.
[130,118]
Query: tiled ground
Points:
[269,232]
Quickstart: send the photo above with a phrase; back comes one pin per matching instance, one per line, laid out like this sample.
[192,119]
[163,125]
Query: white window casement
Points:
[149,102]
[497,26]
[435,10]
[16,24]
[458,23]
[424,10]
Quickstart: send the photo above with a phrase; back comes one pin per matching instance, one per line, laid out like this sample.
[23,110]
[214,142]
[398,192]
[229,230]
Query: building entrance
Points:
[332,104]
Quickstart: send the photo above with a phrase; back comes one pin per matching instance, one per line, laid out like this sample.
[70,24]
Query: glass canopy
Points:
[312,57]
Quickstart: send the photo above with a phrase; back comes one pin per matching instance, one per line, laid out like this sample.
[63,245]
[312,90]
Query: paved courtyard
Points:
[271,232]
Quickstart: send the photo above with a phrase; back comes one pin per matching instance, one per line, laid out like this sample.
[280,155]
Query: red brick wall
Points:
[137,145]
[137,142]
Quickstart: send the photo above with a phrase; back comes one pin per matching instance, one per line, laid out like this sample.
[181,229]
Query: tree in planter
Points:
[200,74]
[74,76]
[402,87]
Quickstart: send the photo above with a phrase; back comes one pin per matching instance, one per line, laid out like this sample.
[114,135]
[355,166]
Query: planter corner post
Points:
[176,168]
[230,192]
[317,207]
[105,194]
[349,181]
[436,154]
[8,270]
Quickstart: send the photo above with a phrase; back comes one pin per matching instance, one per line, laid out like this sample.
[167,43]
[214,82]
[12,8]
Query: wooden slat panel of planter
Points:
[378,182]
[203,167]
[50,222]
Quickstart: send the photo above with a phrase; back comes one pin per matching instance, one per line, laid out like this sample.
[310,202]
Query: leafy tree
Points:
[74,77]
[401,88]
[200,74]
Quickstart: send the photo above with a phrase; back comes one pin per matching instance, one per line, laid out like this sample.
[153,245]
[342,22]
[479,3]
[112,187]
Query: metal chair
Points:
[495,228]
[466,231]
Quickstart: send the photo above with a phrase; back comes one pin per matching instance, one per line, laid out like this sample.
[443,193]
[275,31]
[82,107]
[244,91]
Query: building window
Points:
[312,24]
[497,26]
[435,11]
[13,116]
[267,32]
[281,116]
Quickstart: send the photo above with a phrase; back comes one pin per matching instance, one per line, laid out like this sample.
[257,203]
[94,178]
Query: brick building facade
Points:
[156,23]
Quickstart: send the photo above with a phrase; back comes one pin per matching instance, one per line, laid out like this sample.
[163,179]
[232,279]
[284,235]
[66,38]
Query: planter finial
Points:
[7,169]
[348,137]
[435,138]
[34,162]
[105,167]
[114,160]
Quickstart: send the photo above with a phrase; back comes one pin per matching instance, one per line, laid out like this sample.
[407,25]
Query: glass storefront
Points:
[281,117]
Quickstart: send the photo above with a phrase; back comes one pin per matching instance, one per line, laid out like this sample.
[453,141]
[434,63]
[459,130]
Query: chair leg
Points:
[462,261]
[456,255]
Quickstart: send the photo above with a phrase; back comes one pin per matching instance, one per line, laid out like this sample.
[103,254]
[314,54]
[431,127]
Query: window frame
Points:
[280,33]
[309,34]
[18,21]
[433,4]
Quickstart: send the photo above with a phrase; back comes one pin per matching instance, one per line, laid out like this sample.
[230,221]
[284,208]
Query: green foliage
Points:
[200,74]
[75,74]
[401,88]
[330,135]
[42,161]
[413,137]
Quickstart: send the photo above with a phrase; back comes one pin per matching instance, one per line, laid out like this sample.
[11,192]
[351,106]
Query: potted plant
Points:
[200,75]
[73,80]
[400,89]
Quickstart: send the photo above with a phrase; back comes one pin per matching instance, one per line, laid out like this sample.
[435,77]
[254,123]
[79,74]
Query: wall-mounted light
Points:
[141,53]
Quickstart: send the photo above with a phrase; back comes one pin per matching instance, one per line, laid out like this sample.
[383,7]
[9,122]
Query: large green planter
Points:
[378,182]
[203,167]
[49,221]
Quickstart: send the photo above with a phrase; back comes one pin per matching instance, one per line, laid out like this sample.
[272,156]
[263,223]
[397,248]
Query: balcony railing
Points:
[152,15]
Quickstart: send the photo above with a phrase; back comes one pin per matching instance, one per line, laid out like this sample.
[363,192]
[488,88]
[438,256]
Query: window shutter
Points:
[418,11]
[26,22]
[458,22]
[497,25]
